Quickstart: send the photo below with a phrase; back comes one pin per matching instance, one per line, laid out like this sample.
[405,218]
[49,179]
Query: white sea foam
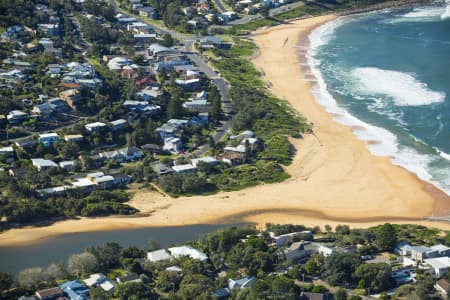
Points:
[380,141]
[421,14]
[446,14]
[403,88]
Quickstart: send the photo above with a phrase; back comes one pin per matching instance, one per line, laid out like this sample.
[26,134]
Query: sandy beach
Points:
[334,178]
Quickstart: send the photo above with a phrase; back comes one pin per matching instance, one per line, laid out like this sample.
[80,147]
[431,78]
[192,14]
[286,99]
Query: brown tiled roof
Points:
[52,292]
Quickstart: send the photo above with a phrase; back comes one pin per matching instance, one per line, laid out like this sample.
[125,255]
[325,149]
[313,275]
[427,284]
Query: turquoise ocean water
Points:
[387,76]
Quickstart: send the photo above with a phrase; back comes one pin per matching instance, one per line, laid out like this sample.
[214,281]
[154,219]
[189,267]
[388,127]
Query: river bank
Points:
[334,178]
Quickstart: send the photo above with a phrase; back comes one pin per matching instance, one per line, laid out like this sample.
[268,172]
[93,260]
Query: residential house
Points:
[25,145]
[75,290]
[241,283]
[54,191]
[284,239]
[75,138]
[201,105]
[130,277]
[17,116]
[419,253]
[207,159]
[442,286]
[7,153]
[117,63]
[325,250]
[158,255]
[402,248]
[14,76]
[209,42]
[54,70]
[297,251]
[188,251]
[439,265]
[152,148]
[48,139]
[118,124]
[49,294]
[67,165]
[189,84]
[124,154]
[173,145]
[17,172]
[101,281]
[43,164]
[139,28]
[49,29]
[157,51]
[438,251]
[233,159]
[237,149]
[184,169]
[148,11]
[71,97]
[150,94]
[42,110]
[121,179]
[142,107]
[161,169]
[56,104]
[96,126]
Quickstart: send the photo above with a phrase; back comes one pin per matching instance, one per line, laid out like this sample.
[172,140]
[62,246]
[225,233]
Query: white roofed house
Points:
[43,164]
[439,265]
[17,116]
[158,255]
[207,159]
[157,51]
[326,251]
[100,280]
[7,153]
[67,165]
[118,124]
[184,169]
[173,145]
[48,139]
[96,126]
[188,251]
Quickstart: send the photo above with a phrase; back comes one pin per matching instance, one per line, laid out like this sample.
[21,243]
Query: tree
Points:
[167,281]
[30,278]
[341,294]
[376,277]
[265,11]
[313,265]
[107,255]
[193,285]
[174,108]
[82,263]
[339,268]
[167,40]
[6,281]
[132,290]
[328,228]
[385,237]
[99,294]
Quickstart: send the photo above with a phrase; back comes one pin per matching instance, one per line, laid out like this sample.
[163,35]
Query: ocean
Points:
[386,75]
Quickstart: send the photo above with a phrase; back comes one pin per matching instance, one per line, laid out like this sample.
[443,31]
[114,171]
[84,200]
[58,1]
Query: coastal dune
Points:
[334,178]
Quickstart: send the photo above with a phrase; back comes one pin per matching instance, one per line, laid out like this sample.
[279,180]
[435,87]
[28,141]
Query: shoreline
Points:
[334,178]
